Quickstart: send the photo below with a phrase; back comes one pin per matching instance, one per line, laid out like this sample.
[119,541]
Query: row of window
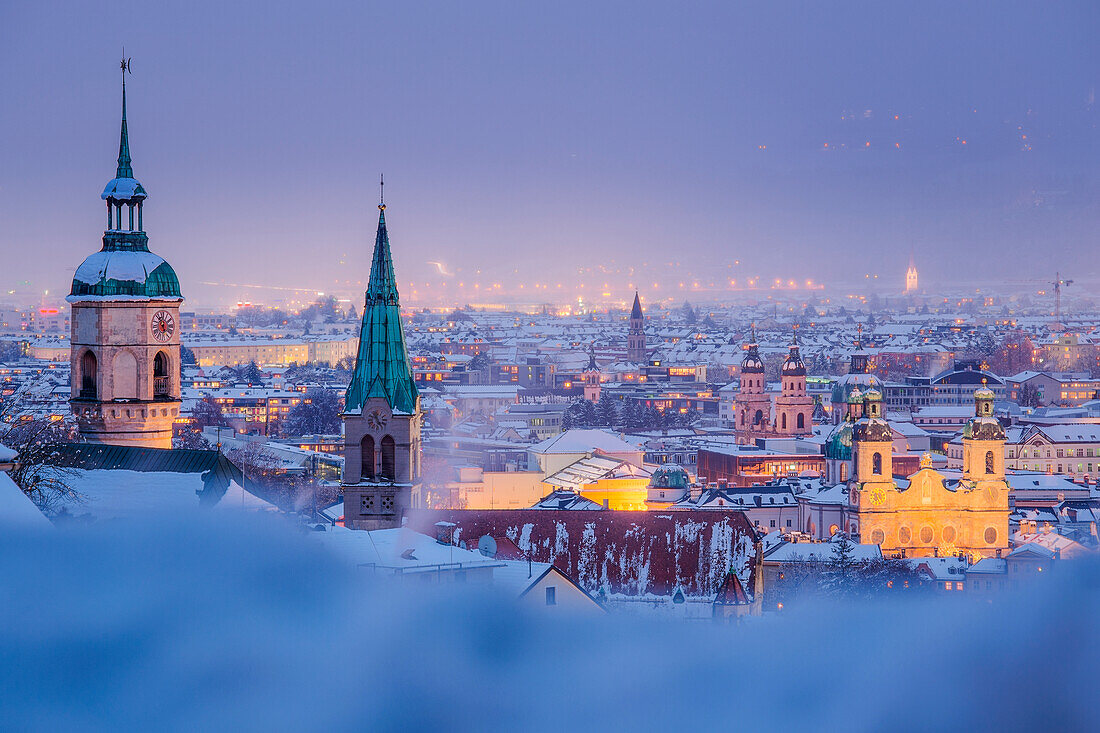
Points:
[927,535]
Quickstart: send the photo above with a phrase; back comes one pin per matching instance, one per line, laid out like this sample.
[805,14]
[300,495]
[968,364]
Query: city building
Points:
[125,343]
[1052,388]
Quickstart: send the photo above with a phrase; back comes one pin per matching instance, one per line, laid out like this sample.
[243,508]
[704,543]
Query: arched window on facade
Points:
[758,418]
[801,421]
[989,461]
[843,472]
[367,457]
[389,463]
[160,375]
[89,372]
[876,464]
[783,421]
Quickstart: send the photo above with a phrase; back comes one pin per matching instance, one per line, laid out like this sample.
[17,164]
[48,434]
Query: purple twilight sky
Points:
[522,141]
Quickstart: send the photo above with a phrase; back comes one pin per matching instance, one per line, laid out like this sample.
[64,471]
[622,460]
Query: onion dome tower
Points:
[793,407]
[636,352]
[872,448]
[382,416]
[752,406]
[983,441]
[872,441]
[125,344]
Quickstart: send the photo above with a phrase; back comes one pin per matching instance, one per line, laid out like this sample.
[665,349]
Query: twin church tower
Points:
[125,357]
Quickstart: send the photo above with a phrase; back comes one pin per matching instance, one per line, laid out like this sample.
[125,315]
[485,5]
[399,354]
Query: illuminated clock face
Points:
[376,420]
[877,495]
[163,326]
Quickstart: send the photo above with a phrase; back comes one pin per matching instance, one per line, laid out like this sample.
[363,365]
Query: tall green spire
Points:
[124,168]
[382,364]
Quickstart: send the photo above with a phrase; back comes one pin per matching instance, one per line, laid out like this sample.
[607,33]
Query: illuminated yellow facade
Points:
[621,494]
[927,514]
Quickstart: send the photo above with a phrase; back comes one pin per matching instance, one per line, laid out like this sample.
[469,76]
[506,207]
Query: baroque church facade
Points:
[125,341]
[929,513]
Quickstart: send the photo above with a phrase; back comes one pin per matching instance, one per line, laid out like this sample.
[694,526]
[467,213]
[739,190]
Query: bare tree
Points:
[35,439]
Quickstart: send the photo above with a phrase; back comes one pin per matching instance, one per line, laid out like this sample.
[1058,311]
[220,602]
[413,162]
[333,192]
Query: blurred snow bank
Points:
[249,626]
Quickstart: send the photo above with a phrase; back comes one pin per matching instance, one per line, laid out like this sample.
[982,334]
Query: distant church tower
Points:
[635,338]
[752,405]
[911,277]
[125,343]
[592,377]
[382,416]
[794,409]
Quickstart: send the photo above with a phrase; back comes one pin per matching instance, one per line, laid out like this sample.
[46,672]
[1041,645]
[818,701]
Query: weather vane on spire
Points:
[382,192]
[125,64]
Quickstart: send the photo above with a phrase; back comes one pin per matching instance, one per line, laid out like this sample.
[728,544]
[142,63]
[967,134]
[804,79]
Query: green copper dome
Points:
[669,476]
[839,443]
[125,268]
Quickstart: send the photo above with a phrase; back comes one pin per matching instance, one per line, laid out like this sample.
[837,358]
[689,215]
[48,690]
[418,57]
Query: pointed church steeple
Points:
[382,364]
[635,337]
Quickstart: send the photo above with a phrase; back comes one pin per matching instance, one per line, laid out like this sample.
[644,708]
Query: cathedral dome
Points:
[125,273]
[839,443]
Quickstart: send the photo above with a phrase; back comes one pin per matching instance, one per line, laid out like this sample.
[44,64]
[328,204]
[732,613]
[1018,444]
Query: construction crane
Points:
[1058,283]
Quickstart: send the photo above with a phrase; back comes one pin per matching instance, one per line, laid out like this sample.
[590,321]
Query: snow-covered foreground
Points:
[202,626]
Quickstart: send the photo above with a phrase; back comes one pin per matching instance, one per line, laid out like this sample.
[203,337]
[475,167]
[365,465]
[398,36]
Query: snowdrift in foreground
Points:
[198,626]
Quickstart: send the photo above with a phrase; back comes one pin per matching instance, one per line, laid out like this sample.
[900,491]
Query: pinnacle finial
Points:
[125,169]
[381,192]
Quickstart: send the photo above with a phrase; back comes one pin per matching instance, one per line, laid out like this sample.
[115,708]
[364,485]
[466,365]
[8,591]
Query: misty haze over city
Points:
[559,145]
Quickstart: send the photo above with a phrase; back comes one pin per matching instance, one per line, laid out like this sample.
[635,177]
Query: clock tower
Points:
[125,342]
[382,416]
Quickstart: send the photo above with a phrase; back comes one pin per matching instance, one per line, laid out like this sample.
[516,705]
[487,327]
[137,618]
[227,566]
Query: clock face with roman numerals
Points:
[163,326]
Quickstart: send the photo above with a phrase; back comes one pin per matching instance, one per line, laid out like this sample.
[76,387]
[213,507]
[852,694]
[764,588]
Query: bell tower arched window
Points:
[89,369]
[389,459]
[801,420]
[989,461]
[161,383]
[876,464]
[366,453]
